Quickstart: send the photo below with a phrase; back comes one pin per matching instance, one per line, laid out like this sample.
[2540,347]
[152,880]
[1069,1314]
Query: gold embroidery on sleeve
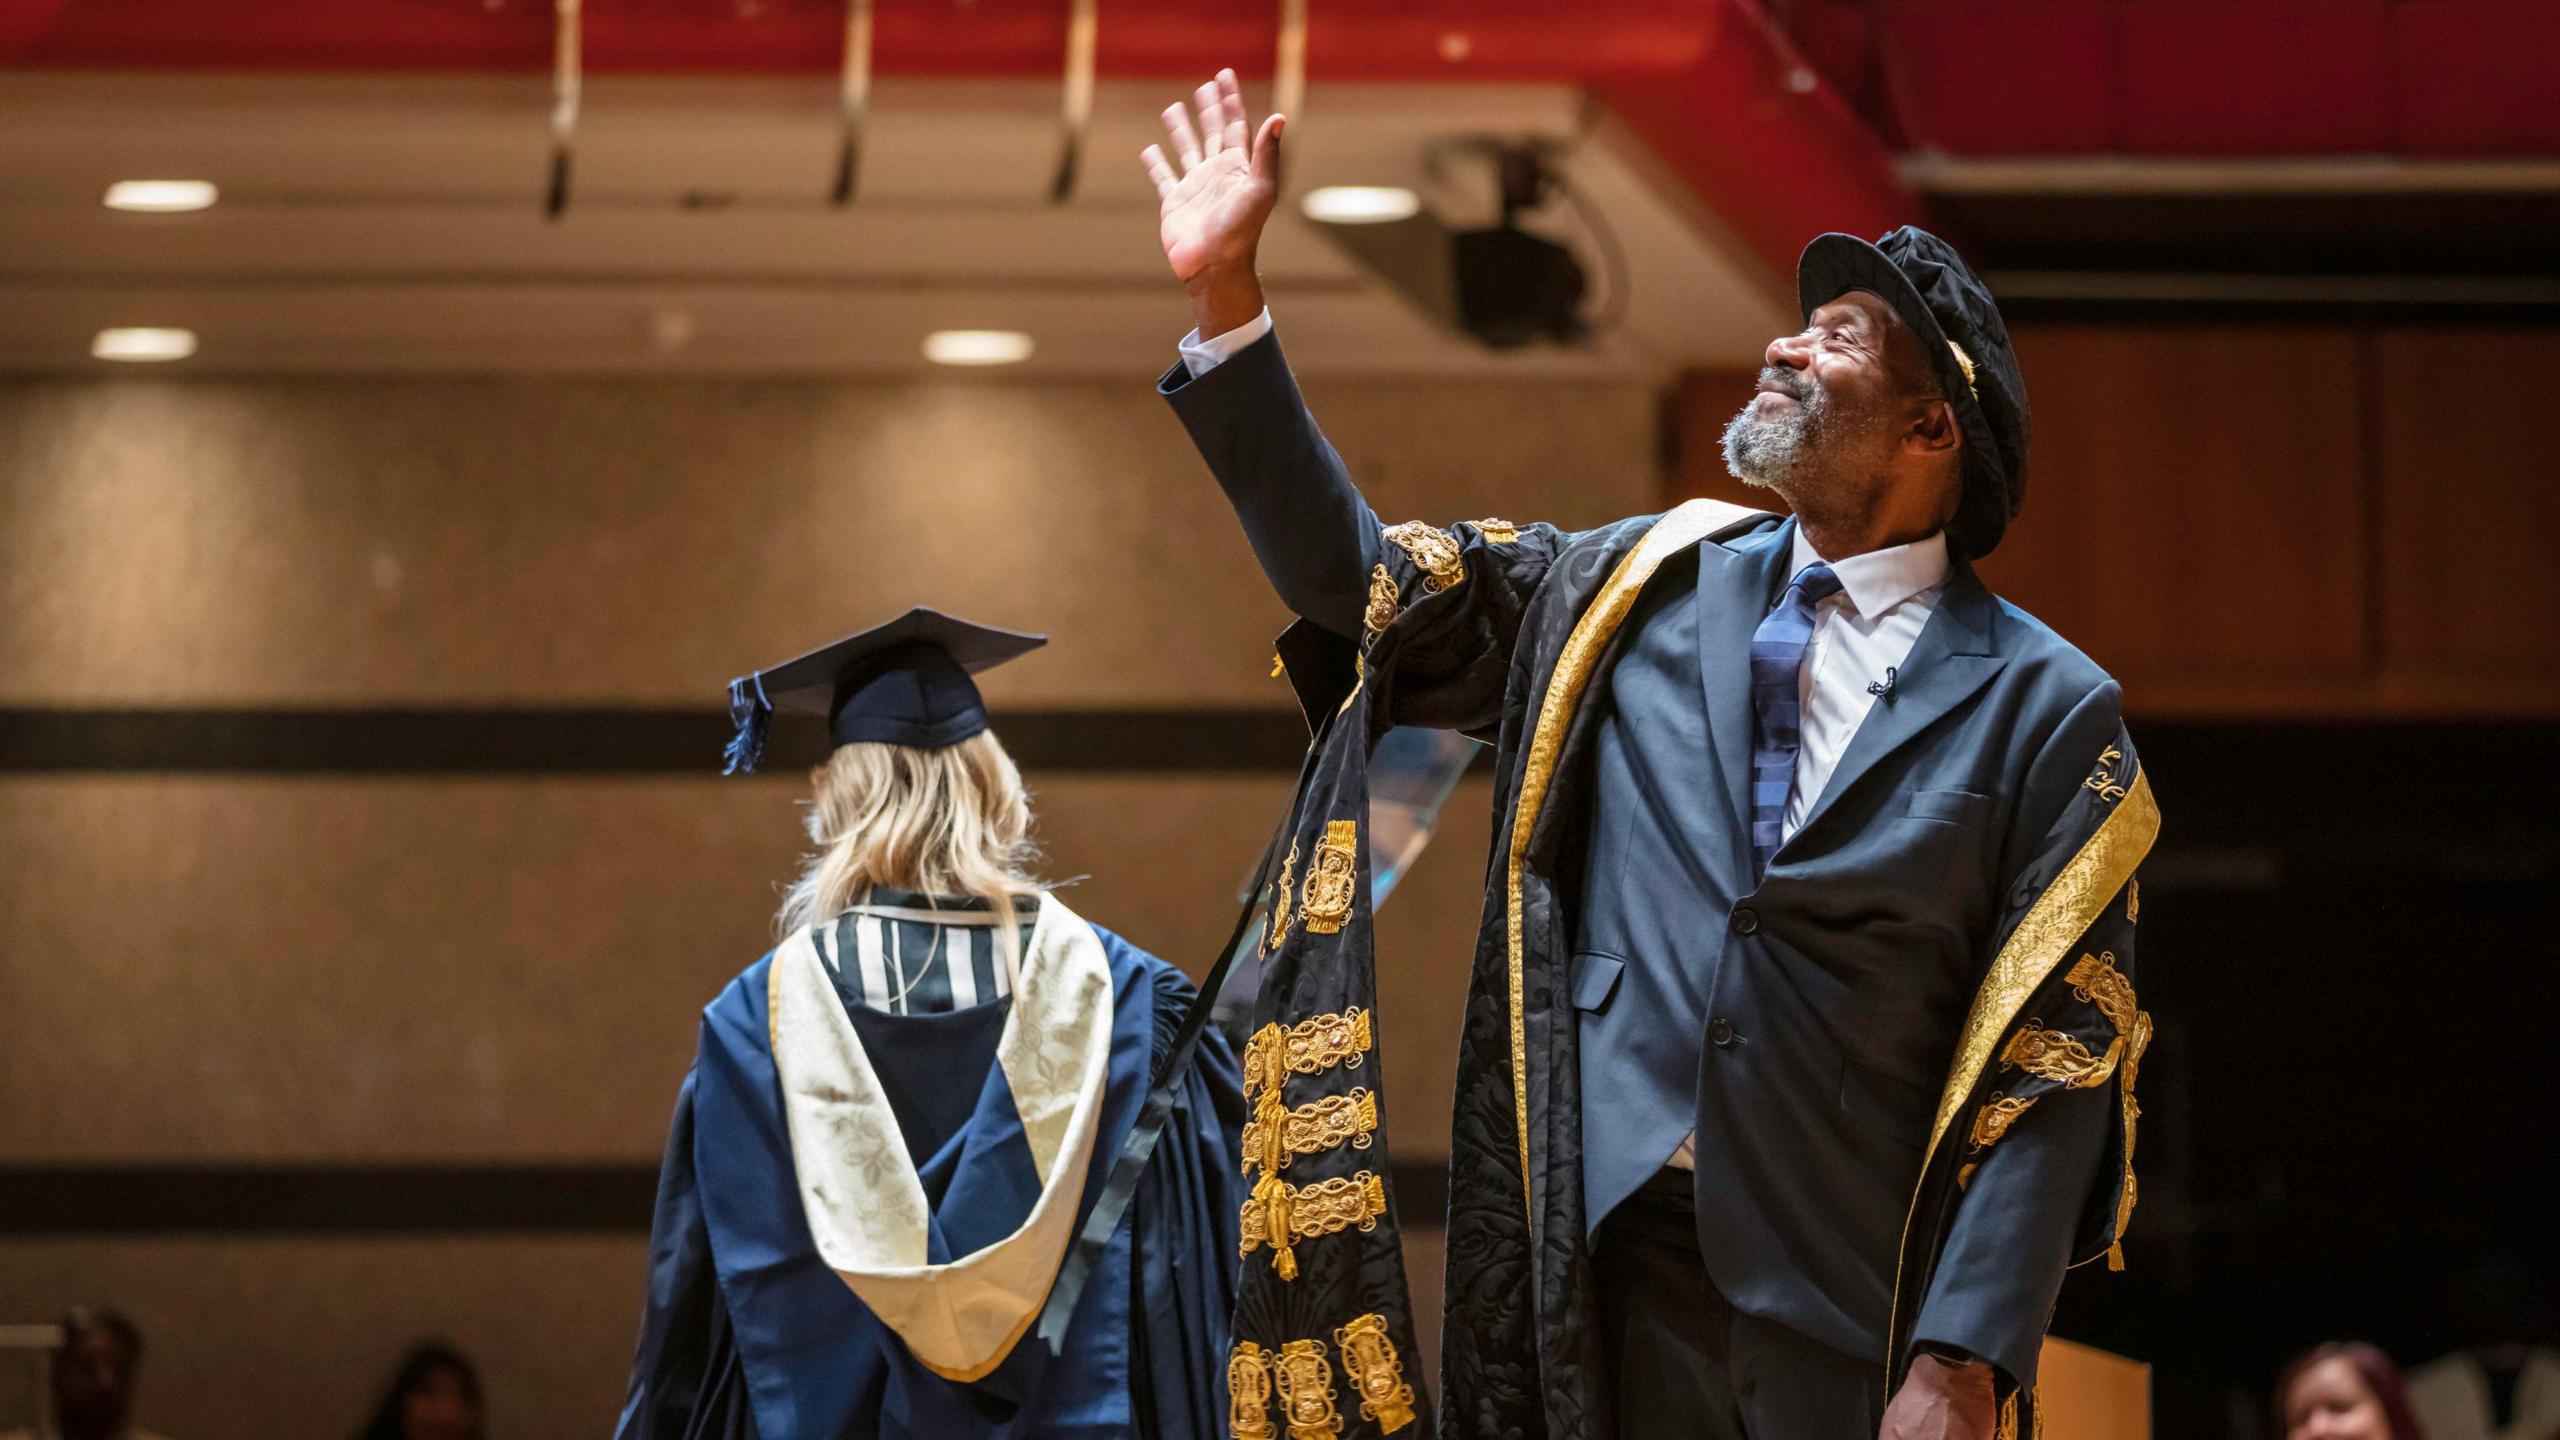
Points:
[1327,902]
[1249,1392]
[1273,1140]
[2096,979]
[1377,1375]
[1306,1392]
[2133,900]
[2059,1057]
[1384,600]
[1435,552]
[2103,780]
[1280,1214]
[1498,532]
[1312,1046]
[1280,899]
[1996,1116]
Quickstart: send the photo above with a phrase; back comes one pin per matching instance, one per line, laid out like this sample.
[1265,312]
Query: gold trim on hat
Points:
[1967,362]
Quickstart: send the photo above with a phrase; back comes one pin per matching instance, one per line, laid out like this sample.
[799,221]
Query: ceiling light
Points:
[143,343]
[977,347]
[161,197]
[1361,204]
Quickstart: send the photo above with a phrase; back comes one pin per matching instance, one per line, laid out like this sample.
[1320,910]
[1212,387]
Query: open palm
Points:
[1214,206]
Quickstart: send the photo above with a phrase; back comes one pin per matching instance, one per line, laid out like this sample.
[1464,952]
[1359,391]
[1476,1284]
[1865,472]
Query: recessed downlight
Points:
[161,197]
[143,343]
[1360,204]
[977,347]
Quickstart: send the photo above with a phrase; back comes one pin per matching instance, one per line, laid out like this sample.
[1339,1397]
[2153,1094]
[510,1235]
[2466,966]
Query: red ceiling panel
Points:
[2005,77]
[2257,77]
[2478,77]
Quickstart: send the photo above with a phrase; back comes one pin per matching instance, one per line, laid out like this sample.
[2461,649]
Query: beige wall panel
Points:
[555,541]
[375,970]
[292,1339]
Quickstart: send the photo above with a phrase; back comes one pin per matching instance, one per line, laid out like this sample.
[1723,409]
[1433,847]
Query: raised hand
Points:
[1216,200]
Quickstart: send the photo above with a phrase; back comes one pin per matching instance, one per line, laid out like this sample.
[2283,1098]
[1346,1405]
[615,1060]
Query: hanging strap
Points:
[1140,1146]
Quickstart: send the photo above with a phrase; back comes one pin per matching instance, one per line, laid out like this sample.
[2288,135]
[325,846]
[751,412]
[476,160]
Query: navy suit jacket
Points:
[1803,1020]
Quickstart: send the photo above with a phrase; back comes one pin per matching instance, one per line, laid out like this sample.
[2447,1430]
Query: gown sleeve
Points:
[1184,1214]
[687,1381]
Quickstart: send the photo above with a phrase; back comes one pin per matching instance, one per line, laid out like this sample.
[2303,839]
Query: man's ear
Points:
[1933,429]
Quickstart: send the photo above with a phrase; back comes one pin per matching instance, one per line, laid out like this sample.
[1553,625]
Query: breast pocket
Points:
[1954,807]
[1595,979]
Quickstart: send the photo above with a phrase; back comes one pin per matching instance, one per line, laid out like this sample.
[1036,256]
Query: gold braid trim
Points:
[1996,1116]
[1280,1214]
[1498,532]
[1435,552]
[2096,979]
[1306,1392]
[2008,1428]
[1331,878]
[1377,1375]
[1324,1124]
[1310,1047]
[1384,600]
[2133,901]
[2061,1058]
[1249,1392]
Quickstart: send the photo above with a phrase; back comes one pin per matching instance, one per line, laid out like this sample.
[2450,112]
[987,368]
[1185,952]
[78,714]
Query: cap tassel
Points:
[752,713]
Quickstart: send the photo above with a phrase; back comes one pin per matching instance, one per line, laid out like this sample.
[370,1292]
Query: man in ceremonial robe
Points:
[899,1121]
[1800,1044]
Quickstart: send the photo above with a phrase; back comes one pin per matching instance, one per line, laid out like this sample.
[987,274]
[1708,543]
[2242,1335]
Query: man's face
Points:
[93,1381]
[1826,413]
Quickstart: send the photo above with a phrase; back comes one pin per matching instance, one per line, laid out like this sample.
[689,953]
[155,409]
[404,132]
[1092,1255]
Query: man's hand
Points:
[1215,205]
[1941,1400]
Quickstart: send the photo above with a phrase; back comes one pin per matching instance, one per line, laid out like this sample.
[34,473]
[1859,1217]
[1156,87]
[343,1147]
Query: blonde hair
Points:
[950,821]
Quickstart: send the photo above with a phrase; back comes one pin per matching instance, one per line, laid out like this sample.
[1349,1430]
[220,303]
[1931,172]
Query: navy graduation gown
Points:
[749,1335]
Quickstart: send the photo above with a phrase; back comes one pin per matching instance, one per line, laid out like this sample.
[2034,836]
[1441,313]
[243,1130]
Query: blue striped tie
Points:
[1777,659]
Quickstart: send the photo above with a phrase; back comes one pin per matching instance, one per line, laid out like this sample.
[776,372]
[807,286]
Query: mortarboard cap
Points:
[902,683]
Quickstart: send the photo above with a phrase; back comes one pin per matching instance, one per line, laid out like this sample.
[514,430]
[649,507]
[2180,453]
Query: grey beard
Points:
[1770,452]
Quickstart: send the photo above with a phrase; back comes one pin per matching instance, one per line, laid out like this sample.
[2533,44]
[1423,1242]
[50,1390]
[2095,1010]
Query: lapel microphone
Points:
[1883,689]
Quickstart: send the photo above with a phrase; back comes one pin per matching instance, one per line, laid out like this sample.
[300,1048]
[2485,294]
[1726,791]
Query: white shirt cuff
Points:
[1202,356]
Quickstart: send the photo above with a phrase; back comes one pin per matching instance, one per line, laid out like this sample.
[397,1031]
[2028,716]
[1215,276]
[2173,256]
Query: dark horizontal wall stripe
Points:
[596,741]
[396,1199]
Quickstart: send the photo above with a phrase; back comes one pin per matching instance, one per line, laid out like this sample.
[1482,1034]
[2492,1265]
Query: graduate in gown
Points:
[898,1120]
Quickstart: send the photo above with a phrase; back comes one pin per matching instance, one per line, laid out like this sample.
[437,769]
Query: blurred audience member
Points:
[93,1379]
[435,1395]
[2344,1391]
[2494,1392]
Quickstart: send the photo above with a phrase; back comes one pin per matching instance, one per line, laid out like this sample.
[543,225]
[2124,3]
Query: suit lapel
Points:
[1736,585]
[1957,653]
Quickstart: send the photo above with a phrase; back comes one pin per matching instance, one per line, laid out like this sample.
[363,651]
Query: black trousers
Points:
[1684,1363]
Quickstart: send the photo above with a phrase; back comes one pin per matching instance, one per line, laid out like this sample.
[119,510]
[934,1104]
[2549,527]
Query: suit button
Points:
[1746,920]
[1721,1032]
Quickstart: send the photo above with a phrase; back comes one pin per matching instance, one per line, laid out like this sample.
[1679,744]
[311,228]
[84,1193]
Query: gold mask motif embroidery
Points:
[1249,1392]
[2096,979]
[1324,1124]
[1377,1374]
[2059,1057]
[1306,1392]
[1326,905]
[1384,600]
[1996,1116]
[1498,532]
[1435,552]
